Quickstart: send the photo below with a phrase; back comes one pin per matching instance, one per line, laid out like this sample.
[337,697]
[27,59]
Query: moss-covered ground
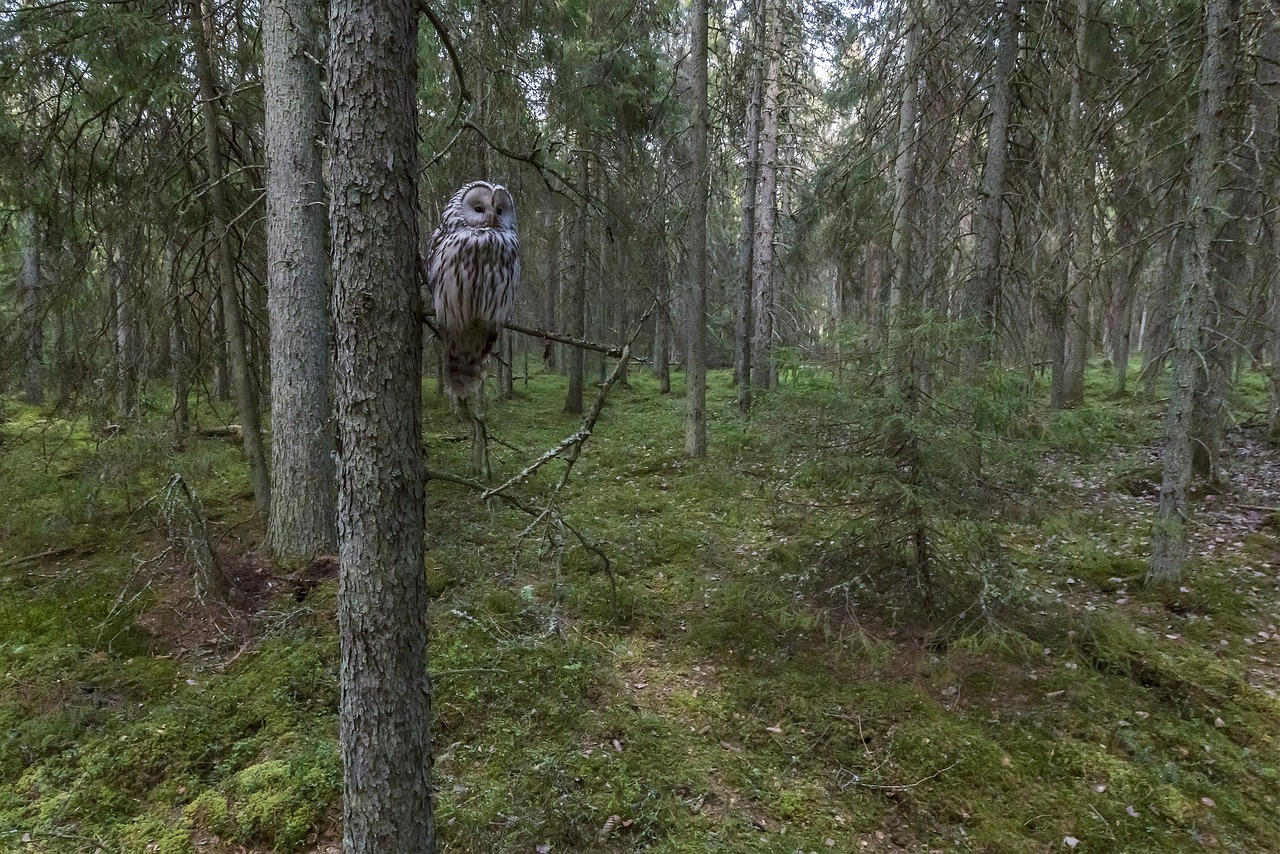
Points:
[723,700]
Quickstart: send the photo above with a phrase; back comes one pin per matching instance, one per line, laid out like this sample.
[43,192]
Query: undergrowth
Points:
[754,687]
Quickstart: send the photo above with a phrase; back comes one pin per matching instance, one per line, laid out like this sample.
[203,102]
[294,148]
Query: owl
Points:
[473,267]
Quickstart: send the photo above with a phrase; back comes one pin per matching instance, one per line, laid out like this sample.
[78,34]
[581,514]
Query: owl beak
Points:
[493,220]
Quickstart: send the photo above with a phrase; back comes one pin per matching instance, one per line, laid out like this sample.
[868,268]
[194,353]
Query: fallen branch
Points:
[18,561]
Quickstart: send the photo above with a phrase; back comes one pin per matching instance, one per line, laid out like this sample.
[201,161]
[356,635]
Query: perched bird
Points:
[473,267]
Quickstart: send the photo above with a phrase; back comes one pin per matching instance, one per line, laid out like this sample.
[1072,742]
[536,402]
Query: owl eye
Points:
[498,211]
[479,208]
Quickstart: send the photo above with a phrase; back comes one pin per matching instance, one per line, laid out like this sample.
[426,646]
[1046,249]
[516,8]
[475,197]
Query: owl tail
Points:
[464,362]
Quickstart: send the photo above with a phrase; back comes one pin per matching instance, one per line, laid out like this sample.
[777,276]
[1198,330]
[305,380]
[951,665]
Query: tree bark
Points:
[1169,539]
[662,314]
[243,383]
[762,276]
[385,705]
[1076,232]
[177,344]
[1268,144]
[126,334]
[555,275]
[744,320]
[303,499]
[33,385]
[984,290]
[578,295]
[695,369]
[901,243]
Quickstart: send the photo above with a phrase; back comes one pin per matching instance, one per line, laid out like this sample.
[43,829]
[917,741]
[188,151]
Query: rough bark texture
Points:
[746,252]
[904,169]
[578,295]
[33,389]
[385,706]
[126,333]
[695,412]
[1169,540]
[177,344]
[1076,229]
[984,290]
[662,316]
[243,384]
[303,494]
[551,290]
[1268,144]
[766,210]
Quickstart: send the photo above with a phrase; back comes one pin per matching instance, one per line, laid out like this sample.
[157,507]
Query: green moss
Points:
[725,706]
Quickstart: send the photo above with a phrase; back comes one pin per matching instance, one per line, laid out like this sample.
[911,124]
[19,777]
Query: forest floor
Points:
[763,679]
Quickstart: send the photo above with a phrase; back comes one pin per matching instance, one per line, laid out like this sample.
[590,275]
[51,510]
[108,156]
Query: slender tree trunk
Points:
[218,346]
[984,290]
[762,276]
[1268,143]
[126,338]
[1120,310]
[303,489]
[746,251]
[177,344]
[662,314]
[1169,539]
[555,276]
[33,389]
[242,379]
[578,295]
[385,705]
[1077,227]
[695,369]
[901,243]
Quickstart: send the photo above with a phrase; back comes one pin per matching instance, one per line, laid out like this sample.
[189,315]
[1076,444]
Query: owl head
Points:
[482,205]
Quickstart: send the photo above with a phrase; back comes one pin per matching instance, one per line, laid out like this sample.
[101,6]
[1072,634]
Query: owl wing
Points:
[429,261]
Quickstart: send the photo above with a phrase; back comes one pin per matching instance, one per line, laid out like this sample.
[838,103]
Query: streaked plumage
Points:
[473,268]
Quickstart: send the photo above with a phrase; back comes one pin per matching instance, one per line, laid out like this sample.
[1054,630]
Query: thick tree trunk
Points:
[984,289]
[578,294]
[303,497]
[33,386]
[1169,539]
[695,369]
[385,705]
[243,382]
